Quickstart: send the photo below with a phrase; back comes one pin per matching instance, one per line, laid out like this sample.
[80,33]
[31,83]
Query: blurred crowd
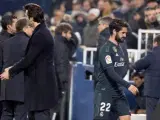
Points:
[140,14]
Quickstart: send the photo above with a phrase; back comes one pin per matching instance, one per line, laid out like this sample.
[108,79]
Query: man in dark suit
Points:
[63,69]
[103,29]
[8,30]
[12,92]
[41,90]
[150,63]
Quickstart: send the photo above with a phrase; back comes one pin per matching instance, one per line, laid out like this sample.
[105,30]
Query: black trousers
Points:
[151,104]
[13,109]
[0,108]
[63,112]
[40,115]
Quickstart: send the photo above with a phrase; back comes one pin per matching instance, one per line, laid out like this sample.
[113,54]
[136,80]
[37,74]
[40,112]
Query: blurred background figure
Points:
[86,5]
[63,34]
[138,79]
[19,14]
[57,17]
[90,33]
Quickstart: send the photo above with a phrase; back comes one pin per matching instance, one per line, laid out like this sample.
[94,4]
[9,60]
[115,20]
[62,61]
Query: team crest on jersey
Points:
[114,49]
[108,59]
[121,59]
[101,114]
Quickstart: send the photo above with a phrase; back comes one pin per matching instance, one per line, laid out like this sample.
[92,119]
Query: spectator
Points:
[152,3]
[62,58]
[138,79]
[19,14]
[158,14]
[79,23]
[124,11]
[105,7]
[87,5]
[137,17]
[57,17]
[150,18]
[90,35]
[73,42]
[76,5]
[62,7]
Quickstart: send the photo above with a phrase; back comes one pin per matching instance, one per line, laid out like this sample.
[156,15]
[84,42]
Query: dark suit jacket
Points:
[41,91]
[62,56]
[13,50]
[4,35]
[152,74]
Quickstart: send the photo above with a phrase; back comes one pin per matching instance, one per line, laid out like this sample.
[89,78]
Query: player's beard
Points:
[119,40]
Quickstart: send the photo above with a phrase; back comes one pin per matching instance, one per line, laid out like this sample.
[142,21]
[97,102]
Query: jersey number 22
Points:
[105,107]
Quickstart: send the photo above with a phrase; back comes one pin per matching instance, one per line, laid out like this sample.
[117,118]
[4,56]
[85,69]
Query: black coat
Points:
[4,35]
[62,56]
[13,51]
[152,74]
[103,37]
[41,91]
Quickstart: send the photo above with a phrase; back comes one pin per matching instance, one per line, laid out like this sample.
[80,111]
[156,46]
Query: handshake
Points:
[5,75]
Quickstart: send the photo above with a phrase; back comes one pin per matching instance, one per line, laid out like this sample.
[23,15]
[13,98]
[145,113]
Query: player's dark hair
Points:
[63,27]
[105,20]
[7,20]
[157,39]
[117,25]
[35,12]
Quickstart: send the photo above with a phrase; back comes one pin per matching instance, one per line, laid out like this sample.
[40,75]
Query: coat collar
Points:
[60,37]
[41,25]
[156,48]
[22,33]
[105,32]
[5,33]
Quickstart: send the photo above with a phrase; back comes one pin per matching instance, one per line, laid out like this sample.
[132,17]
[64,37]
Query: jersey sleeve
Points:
[108,66]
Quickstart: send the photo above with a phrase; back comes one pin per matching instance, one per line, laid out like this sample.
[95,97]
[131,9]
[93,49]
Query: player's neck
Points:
[112,39]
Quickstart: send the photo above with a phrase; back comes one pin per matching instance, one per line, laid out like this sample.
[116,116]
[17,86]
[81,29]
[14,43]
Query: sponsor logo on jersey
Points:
[118,64]
[108,59]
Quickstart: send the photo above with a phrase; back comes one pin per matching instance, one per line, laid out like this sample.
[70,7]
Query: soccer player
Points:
[111,70]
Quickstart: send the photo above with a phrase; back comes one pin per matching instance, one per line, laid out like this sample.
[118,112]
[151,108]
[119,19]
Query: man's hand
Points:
[133,89]
[5,74]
